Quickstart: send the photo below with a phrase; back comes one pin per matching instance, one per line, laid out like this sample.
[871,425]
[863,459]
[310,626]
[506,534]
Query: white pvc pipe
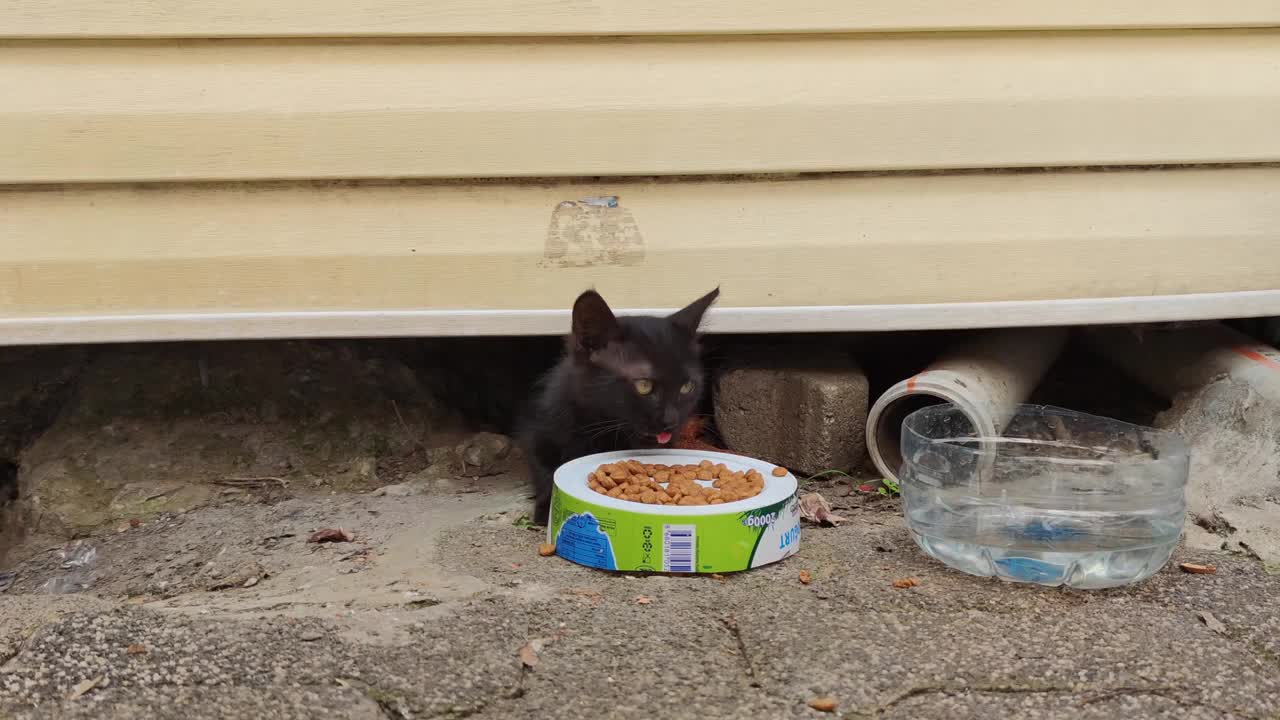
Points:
[986,377]
[1187,357]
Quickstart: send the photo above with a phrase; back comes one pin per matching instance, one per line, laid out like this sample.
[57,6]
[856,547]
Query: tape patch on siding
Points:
[592,232]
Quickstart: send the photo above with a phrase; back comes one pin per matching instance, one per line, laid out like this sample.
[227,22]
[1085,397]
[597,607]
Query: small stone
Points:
[310,635]
[238,577]
[484,454]
[365,469]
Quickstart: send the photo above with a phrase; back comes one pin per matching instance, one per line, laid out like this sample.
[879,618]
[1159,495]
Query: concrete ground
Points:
[442,608]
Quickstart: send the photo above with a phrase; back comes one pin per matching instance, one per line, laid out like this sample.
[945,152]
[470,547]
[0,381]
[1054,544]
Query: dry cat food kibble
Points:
[675,484]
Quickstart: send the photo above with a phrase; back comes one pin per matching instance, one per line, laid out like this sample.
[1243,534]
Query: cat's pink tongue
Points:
[664,438]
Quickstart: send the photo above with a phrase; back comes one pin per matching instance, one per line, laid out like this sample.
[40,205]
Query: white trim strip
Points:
[395,18]
[440,323]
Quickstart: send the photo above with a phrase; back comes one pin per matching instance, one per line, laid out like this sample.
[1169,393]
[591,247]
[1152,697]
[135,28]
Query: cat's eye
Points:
[644,387]
[686,388]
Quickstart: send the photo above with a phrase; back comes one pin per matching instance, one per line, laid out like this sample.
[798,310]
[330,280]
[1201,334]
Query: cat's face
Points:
[643,372]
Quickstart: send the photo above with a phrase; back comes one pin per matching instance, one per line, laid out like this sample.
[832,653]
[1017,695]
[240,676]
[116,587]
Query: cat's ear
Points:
[594,325]
[690,317]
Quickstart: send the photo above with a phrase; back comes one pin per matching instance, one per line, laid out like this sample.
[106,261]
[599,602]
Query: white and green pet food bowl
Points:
[598,531]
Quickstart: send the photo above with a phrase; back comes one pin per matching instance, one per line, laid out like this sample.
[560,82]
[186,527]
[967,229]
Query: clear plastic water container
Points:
[1058,498]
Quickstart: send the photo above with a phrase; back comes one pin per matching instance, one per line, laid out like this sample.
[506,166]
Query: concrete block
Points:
[801,407]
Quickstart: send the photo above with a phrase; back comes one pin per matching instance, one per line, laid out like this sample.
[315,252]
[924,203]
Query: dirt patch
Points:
[165,428]
[250,556]
[426,611]
[1233,491]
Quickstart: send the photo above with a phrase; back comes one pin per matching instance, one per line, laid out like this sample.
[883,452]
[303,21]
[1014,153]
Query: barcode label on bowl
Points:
[679,548]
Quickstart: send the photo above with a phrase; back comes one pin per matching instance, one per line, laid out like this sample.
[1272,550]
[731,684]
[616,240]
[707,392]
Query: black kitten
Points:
[624,383]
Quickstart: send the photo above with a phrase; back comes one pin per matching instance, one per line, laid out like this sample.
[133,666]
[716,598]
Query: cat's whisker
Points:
[604,431]
[599,423]
[608,428]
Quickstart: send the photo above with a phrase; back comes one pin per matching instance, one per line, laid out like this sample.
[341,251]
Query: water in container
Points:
[1057,498]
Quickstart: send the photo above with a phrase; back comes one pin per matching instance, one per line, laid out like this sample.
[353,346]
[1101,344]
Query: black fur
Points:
[589,402]
[8,482]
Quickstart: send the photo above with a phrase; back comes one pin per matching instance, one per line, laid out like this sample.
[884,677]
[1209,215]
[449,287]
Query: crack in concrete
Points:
[1094,695]
[391,705]
[731,624]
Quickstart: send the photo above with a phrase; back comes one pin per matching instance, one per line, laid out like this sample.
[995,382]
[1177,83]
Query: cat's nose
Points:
[671,416]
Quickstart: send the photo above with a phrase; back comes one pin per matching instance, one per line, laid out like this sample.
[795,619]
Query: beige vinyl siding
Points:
[245,111]
[295,169]
[453,246]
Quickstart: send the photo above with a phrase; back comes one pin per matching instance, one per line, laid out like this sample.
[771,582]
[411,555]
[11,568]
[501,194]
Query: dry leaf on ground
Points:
[84,686]
[331,535]
[815,508]
[905,583]
[1196,569]
[805,577]
[528,654]
[531,651]
[135,649]
[642,600]
[824,704]
[1212,622]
